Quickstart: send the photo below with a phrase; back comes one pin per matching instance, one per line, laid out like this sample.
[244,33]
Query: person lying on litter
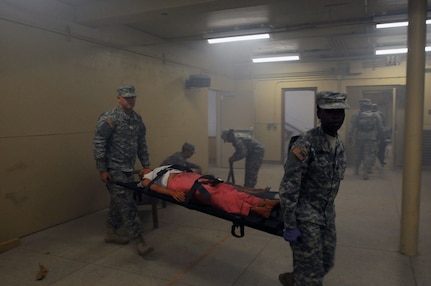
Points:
[227,197]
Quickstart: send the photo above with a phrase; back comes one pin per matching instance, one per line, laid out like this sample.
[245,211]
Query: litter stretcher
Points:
[273,225]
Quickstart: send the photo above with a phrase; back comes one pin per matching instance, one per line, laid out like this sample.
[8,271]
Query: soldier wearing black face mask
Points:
[312,173]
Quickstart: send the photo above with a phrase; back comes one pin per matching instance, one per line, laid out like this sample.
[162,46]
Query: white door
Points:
[298,114]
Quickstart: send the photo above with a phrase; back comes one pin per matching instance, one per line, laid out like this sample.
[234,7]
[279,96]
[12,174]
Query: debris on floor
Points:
[42,272]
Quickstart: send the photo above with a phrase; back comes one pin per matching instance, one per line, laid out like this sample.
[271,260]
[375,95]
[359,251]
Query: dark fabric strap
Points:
[199,186]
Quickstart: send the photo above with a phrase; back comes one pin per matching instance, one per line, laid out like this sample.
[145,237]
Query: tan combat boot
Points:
[112,237]
[143,248]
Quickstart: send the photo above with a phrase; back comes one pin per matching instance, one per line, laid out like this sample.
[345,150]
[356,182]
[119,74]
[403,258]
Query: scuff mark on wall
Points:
[17,167]
[16,199]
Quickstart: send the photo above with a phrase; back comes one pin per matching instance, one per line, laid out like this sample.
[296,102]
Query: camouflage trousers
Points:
[123,211]
[381,153]
[252,166]
[313,255]
[365,152]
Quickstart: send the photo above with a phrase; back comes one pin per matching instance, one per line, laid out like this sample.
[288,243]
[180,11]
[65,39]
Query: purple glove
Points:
[291,235]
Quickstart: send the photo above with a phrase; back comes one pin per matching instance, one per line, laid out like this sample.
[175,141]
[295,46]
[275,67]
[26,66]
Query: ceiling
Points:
[316,30]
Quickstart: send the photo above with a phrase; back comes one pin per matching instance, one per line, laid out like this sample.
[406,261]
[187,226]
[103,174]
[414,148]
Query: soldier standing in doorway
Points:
[382,142]
[366,129]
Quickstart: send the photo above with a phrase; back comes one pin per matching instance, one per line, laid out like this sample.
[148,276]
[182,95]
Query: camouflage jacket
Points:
[312,175]
[178,159]
[244,145]
[118,139]
[371,127]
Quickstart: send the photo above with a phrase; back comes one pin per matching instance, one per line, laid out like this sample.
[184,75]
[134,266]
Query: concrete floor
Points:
[193,248]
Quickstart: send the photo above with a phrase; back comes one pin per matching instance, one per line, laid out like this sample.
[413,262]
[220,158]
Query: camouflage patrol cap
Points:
[331,100]
[365,102]
[225,134]
[188,147]
[126,91]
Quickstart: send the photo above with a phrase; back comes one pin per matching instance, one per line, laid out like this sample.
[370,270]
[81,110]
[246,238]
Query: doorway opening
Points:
[390,100]
[298,114]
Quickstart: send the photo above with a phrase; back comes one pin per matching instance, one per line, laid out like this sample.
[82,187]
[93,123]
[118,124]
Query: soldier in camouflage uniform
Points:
[248,148]
[313,171]
[118,139]
[366,129]
[180,158]
[382,140]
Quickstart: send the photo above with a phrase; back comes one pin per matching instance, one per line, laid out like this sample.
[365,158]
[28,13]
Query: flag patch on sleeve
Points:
[299,153]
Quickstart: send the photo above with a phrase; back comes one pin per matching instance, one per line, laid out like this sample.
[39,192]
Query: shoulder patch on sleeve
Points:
[299,153]
[109,121]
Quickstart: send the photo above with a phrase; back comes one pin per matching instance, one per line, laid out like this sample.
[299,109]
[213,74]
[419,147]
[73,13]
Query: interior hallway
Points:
[193,248]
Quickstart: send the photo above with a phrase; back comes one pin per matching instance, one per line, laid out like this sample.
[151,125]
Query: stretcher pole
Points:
[230,176]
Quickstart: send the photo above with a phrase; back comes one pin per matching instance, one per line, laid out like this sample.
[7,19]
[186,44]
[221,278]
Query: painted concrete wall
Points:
[53,90]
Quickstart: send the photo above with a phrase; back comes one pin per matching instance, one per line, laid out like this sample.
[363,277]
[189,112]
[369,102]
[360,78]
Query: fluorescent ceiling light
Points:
[276,59]
[391,51]
[392,25]
[397,24]
[397,51]
[238,38]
